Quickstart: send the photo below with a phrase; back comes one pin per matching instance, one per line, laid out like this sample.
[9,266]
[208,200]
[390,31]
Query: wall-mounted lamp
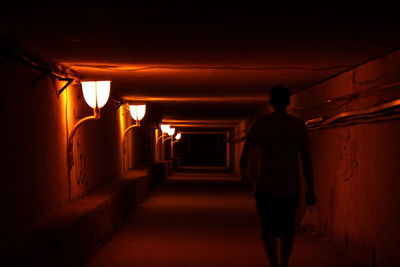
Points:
[96,94]
[165,128]
[137,113]
[177,138]
[170,132]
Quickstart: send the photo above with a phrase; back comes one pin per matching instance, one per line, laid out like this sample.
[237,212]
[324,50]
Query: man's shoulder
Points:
[262,120]
[296,119]
[265,117]
[273,116]
[272,120]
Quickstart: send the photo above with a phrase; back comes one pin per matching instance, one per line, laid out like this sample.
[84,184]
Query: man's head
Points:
[279,97]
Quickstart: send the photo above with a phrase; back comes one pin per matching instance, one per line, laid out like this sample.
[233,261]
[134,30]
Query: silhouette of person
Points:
[280,139]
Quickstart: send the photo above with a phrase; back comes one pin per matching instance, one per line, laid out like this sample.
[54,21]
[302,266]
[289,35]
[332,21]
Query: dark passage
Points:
[203,220]
[203,150]
[132,116]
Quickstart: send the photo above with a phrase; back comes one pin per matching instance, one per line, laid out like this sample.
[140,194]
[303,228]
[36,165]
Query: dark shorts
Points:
[277,215]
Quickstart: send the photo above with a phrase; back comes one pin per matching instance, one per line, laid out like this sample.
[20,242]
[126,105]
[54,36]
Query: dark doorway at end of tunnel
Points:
[203,150]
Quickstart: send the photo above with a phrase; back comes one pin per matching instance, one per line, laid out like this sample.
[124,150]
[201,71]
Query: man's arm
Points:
[308,170]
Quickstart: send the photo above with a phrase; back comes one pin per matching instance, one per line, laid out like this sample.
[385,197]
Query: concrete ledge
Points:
[70,235]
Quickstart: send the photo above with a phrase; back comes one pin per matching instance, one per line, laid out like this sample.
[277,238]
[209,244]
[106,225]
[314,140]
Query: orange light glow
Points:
[210,99]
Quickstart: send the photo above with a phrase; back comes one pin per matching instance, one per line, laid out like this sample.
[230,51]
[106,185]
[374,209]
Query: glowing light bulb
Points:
[165,128]
[96,93]
[171,131]
[137,111]
[178,136]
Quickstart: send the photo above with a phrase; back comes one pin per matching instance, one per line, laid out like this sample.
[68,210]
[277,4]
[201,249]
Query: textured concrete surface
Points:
[35,177]
[356,167]
[203,220]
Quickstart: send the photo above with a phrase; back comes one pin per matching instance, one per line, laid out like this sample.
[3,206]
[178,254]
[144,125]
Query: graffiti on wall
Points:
[348,157]
[80,165]
[79,171]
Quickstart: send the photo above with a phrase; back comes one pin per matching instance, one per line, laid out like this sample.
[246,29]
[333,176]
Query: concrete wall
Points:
[237,145]
[137,142]
[35,122]
[357,167]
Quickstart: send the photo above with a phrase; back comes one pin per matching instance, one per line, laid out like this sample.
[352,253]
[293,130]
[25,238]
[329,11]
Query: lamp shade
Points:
[96,93]
[171,131]
[178,136]
[165,128]
[137,111]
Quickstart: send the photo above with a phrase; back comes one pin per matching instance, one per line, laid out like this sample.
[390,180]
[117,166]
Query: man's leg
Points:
[286,249]
[270,246]
[269,240]
[287,238]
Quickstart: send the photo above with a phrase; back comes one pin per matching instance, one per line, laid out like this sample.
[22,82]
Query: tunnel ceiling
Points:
[203,61]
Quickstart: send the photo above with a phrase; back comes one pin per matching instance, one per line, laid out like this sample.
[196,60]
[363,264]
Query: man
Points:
[280,139]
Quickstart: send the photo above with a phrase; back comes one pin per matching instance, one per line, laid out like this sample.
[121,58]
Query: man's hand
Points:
[310,198]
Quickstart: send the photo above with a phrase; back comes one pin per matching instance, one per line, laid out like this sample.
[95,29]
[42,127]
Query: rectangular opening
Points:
[203,150]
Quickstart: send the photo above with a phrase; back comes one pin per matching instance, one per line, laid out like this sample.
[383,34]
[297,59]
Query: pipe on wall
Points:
[386,111]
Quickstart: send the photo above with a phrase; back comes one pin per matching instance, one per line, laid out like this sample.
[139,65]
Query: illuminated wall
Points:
[357,166]
[138,143]
[236,145]
[96,146]
[35,121]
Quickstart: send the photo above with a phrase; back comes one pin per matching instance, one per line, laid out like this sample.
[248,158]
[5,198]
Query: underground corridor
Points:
[169,134]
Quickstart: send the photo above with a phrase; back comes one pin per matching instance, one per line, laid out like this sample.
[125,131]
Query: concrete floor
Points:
[203,220]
